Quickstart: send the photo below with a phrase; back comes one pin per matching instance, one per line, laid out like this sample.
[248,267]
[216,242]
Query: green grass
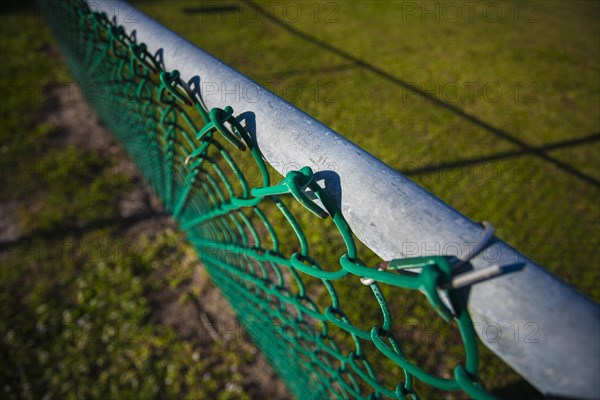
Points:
[75,293]
[550,215]
[543,69]
[541,56]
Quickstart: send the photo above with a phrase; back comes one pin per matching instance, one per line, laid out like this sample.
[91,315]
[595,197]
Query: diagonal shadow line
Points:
[211,9]
[500,156]
[457,111]
[306,71]
[64,231]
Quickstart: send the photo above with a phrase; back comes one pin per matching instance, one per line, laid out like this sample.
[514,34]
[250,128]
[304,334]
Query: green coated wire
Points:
[184,152]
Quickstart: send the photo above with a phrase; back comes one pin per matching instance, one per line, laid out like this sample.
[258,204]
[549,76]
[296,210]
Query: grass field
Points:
[86,266]
[509,80]
[497,112]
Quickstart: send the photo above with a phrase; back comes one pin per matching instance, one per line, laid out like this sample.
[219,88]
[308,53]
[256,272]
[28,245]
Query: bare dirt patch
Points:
[206,314]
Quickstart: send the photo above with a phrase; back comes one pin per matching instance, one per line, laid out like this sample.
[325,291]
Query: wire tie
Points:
[369,281]
[485,238]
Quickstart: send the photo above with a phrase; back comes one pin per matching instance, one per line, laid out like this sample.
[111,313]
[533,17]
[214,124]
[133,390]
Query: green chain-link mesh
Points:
[199,163]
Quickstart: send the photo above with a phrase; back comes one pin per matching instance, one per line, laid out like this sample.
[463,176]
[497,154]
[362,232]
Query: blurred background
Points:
[493,106]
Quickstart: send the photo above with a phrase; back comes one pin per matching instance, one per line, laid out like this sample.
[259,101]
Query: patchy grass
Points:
[77,324]
[529,71]
[77,292]
[503,85]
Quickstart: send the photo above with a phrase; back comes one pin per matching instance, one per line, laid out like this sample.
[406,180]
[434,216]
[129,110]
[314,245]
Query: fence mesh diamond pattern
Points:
[251,233]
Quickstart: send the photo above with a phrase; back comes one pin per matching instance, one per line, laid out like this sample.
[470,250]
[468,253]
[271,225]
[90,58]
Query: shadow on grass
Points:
[212,9]
[309,71]
[539,152]
[501,156]
[118,223]
[9,7]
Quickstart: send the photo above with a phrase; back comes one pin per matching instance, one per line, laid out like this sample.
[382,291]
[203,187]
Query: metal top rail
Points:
[391,215]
